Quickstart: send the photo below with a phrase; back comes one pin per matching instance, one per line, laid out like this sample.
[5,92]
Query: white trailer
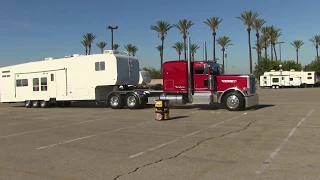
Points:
[307,77]
[276,81]
[59,81]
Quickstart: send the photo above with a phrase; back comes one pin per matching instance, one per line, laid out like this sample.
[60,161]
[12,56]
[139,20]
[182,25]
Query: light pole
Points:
[112,28]
[279,48]
[226,55]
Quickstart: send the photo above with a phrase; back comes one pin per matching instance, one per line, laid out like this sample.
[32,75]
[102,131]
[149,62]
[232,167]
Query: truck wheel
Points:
[115,101]
[27,104]
[132,102]
[35,104]
[44,104]
[234,101]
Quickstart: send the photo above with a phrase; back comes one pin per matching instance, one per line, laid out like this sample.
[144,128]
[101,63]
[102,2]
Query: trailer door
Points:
[60,84]
[52,85]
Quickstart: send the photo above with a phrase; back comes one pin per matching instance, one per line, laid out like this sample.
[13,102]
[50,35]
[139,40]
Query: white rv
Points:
[307,77]
[277,81]
[72,78]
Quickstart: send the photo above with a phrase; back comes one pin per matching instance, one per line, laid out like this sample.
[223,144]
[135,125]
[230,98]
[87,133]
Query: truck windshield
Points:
[214,68]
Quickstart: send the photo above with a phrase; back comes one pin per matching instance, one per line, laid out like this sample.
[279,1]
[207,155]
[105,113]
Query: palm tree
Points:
[183,26]
[213,23]
[178,46]
[193,49]
[160,49]
[89,37]
[257,25]
[248,17]
[316,42]
[161,28]
[116,46]
[297,44]
[273,33]
[101,45]
[131,49]
[223,41]
[85,43]
[265,39]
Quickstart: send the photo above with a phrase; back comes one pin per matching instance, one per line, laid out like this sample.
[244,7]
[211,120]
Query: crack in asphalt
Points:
[198,143]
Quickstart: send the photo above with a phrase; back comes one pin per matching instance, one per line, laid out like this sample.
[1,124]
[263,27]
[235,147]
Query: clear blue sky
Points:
[32,30]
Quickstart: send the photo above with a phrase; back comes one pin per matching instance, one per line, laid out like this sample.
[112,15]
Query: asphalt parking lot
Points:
[278,140]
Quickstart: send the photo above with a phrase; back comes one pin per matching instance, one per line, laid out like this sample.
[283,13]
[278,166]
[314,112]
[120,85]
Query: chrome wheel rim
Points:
[114,101]
[131,101]
[233,101]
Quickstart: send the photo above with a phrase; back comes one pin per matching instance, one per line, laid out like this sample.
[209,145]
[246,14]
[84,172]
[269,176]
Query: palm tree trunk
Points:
[223,62]
[265,51]
[214,47]
[250,53]
[161,58]
[258,48]
[297,56]
[86,50]
[271,47]
[101,51]
[317,53]
[179,54]
[185,46]
[89,50]
[275,52]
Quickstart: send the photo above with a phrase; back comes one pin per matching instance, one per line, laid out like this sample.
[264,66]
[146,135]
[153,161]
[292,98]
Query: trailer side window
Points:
[309,73]
[52,77]
[291,79]
[275,80]
[21,82]
[309,77]
[44,84]
[100,66]
[35,84]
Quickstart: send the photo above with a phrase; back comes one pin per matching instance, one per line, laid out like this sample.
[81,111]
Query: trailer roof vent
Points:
[48,58]
[110,52]
[75,55]
[292,70]
[272,70]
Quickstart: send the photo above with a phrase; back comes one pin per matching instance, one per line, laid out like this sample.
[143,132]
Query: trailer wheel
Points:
[44,104]
[132,102]
[27,104]
[116,101]
[234,101]
[35,104]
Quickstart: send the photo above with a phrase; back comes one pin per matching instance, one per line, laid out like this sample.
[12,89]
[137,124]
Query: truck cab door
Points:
[200,79]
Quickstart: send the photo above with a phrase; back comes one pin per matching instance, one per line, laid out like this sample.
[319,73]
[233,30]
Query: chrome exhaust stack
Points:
[190,99]
[205,58]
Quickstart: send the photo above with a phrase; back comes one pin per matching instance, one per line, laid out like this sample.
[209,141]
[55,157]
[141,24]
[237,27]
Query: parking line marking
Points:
[45,119]
[107,132]
[85,137]
[284,141]
[185,136]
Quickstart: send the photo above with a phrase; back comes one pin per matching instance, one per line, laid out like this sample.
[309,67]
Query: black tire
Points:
[35,104]
[27,104]
[132,102]
[115,101]
[67,103]
[234,101]
[44,104]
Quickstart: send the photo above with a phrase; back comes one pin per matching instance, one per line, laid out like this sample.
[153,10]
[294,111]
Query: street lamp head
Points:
[112,27]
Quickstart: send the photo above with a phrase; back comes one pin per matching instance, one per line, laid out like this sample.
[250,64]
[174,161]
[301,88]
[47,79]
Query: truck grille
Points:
[252,89]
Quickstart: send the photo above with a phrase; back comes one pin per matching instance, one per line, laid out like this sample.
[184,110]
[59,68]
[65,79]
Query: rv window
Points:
[44,84]
[291,79]
[282,78]
[52,77]
[100,66]
[309,77]
[199,70]
[265,77]
[35,84]
[309,73]
[275,80]
[18,83]
[24,82]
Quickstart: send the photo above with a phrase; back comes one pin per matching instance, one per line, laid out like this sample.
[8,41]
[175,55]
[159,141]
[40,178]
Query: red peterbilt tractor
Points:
[200,82]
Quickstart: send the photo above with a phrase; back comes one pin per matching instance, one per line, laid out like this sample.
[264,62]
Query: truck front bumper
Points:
[252,100]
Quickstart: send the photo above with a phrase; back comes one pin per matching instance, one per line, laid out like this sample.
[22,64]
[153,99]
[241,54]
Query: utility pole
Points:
[112,28]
